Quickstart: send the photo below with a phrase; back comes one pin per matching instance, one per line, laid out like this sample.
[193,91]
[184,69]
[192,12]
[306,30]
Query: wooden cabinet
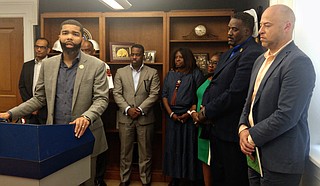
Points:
[50,26]
[148,29]
[181,25]
[160,31]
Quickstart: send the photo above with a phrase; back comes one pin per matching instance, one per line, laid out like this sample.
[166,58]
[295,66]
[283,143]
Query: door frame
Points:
[28,10]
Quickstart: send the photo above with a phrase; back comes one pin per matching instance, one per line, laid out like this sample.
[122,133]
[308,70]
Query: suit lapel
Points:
[53,70]
[80,72]
[222,63]
[227,60]
[141,78]
[30,72]
[277,61]
[129,78]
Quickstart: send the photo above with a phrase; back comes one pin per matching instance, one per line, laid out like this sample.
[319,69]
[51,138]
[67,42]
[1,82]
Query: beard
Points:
[70,51]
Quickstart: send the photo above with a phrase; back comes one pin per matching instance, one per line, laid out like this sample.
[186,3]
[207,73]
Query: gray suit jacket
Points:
[145,97]
[90,96]
[280,110]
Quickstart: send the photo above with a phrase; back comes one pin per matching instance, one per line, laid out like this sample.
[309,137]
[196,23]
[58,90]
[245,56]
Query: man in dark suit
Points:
[223,101]
[29,77]
[274,118]
[136,90]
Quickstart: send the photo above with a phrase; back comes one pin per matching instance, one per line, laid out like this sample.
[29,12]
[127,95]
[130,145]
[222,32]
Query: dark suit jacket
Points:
[25,86]
[280,110]
[225,96]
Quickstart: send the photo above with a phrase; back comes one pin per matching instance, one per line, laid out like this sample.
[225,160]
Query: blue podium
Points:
[36,155]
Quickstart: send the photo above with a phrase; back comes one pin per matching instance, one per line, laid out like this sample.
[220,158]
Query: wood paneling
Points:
[11,61]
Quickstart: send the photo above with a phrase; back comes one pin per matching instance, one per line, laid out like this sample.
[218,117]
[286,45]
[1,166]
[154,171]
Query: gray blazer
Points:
[145,97]
[280,110]
[90,96]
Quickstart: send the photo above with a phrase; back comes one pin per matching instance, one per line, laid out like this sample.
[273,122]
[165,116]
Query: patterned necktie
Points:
[174,96]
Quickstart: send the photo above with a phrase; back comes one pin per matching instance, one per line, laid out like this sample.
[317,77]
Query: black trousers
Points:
[228,163]
[101,166]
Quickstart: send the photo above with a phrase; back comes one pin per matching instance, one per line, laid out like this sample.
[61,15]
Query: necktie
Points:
[234,50]
[174,96]
[262,71]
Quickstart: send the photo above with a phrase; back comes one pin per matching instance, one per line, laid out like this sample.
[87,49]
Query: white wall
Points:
[305,36]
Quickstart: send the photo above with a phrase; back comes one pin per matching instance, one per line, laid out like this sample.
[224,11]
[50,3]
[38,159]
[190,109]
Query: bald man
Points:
[274,118]
[88,48]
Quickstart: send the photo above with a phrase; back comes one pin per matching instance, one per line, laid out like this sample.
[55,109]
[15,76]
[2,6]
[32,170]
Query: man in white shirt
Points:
[88,48]
[29,77]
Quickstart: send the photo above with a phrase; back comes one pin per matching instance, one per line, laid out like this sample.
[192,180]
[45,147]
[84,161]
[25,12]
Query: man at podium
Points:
[74,87]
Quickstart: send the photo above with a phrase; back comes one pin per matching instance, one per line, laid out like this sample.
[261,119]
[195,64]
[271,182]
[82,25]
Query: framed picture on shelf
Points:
[149,56]
[120,51]
[201,59]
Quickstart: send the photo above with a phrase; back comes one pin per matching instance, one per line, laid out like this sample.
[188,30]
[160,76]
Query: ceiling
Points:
[149,5]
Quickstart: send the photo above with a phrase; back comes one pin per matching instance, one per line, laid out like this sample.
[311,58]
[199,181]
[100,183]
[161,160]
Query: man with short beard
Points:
[223,101]
[75,90]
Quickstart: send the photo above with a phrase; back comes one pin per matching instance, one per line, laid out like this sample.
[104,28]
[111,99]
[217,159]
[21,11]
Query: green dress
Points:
[204,154]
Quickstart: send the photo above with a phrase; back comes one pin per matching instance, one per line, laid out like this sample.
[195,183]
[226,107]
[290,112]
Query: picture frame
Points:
[120,51]
[201,60]
[149,56]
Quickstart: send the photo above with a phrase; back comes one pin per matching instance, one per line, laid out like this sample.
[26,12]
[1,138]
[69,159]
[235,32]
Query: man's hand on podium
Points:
[5,116]
[81,124]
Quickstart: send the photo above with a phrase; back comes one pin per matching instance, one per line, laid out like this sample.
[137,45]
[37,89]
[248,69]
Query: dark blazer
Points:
[280,110]
[225,96]
[25,87]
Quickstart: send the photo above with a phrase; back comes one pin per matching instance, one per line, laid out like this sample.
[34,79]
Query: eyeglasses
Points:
[40,47]
[136,54]
[210,62]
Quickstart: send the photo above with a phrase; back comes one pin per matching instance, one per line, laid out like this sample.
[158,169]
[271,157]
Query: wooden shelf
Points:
[156,30]
[180,26]
[127,63]
[197,41]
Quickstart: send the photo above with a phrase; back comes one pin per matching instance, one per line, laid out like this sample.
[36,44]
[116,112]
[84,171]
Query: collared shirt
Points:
[238,47]
[109,77]
[135,77]
[265,66]
[36,72]
[64,92]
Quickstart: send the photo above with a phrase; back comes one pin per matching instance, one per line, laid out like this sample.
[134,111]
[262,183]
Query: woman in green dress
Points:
[204,154]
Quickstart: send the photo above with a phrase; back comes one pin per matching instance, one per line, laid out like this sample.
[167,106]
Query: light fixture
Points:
[117,4]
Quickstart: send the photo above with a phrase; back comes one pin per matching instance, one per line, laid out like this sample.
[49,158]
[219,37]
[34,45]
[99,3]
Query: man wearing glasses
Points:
[29,77]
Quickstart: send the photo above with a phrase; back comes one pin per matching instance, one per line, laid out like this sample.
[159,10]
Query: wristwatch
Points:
[87,118]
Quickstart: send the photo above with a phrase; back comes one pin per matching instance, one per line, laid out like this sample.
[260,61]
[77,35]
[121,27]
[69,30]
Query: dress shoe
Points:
[174,182]
[100,183]
[124,183]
